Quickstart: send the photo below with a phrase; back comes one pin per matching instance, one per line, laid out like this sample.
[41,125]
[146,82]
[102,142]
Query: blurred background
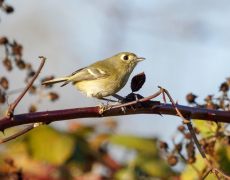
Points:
[185,43]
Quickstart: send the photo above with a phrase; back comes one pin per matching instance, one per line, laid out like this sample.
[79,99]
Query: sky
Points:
[185,43]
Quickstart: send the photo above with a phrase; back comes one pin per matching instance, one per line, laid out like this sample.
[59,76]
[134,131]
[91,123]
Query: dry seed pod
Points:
[187,135]
[181,128]
[172,160]
[21,64]
[16,49]
[7,64]
[33,89]
[3,40]
[4,83]
[178,147]
[2,97]
[191,98]
[53,96]
[163,145]
[8,9]
[32,108]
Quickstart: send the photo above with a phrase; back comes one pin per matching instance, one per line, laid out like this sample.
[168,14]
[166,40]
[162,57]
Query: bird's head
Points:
[126,59]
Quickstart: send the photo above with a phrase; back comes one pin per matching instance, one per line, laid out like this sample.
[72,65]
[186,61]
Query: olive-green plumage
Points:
[103,78]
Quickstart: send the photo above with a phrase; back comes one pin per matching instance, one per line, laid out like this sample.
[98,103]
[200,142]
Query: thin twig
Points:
[215,170]
[13,105]
[192,132]
[136,101]
[27,129]
[206,174]
[189,125]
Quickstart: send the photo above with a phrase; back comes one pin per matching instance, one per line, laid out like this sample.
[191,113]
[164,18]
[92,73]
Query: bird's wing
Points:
[88,73]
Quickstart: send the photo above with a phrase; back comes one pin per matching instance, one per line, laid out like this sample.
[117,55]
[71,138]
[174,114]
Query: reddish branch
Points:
[12,106]
[151,108]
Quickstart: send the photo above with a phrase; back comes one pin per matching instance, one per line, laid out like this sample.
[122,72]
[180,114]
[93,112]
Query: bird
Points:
[102,78]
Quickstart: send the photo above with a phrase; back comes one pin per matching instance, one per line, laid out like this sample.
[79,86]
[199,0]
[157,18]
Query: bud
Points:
[191,98]
[178,147]
[172,160]
[4,83]
[8,9]
[7,64]
[53,96]
[16,49]
[163,145]
[208,98]
[224,87]
[2,97]
[3,40]
[32,108]
[197,131]
[137,82]
[181,128]
[32,89]
[20,64]
[191,160]
[30,73]
[187,135]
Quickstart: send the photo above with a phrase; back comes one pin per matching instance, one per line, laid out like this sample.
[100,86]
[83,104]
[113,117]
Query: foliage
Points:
[48,153]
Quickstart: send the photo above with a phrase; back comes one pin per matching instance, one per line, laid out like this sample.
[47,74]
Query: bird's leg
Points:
[108,100]
[104,107]
[120,98]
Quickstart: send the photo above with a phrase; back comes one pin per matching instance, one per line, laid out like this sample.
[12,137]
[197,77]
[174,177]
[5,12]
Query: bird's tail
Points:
[57,80]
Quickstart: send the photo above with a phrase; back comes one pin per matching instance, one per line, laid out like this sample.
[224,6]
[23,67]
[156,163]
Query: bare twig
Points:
[192,132]
[13,105]
[135,102]
[27,129]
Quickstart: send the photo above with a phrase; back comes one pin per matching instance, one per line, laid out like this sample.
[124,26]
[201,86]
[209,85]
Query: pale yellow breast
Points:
[99,88]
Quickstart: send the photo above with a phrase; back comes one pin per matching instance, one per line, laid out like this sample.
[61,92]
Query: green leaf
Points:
[47,144]
[224,157]
[152,166]
[206,128]
[190,174]
[126,173]
[143,145]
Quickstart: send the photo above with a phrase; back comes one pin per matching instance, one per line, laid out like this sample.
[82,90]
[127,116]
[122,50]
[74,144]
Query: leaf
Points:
[155,167]
[223,152]
[49,145]
[190,174]
[143,145]
[137,82]
[126,173]
[206,129]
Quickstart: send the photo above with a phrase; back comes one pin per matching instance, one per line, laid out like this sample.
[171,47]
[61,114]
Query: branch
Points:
[27,129]
[151,107]
[13,105]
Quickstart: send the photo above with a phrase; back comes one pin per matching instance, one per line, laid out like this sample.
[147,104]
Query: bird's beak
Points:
[140,59]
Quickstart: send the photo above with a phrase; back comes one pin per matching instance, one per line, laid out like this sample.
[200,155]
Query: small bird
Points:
[103,78]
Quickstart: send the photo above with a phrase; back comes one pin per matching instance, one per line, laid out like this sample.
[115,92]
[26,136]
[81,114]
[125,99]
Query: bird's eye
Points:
[126,57]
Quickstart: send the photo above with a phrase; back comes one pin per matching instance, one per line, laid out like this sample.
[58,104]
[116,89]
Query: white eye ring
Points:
[125,57]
